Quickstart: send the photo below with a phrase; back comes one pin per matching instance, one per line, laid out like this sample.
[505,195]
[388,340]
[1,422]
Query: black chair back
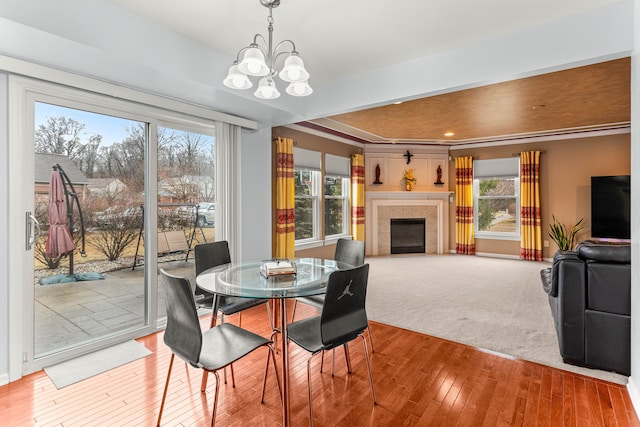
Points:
[183,334]
[210,255]
[350,252]
[343,315]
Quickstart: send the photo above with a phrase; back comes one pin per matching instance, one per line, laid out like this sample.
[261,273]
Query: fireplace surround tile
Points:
[381,207]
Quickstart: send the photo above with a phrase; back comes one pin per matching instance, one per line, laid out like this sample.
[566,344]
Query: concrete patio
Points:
[68,314]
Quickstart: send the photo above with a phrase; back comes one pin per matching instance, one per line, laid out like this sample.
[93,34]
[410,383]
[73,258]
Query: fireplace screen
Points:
[407,235]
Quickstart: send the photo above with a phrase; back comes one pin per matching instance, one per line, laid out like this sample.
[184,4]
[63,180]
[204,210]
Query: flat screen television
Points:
[611,207]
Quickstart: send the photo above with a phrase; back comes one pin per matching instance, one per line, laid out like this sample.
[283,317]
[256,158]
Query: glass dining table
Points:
[245,279]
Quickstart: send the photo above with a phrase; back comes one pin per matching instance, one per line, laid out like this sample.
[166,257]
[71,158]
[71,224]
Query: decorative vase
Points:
[408,186]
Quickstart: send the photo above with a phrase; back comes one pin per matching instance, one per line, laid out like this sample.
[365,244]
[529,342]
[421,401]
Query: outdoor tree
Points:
[486,210]
[60,135]
[65,136]
[116,234]
[303,204]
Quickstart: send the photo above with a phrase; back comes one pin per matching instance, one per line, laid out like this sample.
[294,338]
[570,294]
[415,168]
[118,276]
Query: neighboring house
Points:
[186,189]
[43,167]
[106,188]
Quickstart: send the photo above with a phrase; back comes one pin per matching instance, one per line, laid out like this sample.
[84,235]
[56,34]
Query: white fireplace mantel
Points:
[408,195]
[376,225]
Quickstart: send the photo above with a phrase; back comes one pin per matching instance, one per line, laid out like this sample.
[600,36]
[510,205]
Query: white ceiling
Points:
[341,38]
[361,54]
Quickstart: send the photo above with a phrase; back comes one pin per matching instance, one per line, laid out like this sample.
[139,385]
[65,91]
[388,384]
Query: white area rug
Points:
[83,367]
[489,303]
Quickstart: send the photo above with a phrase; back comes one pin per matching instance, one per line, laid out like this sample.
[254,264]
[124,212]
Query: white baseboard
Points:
[4,379]
[634,394]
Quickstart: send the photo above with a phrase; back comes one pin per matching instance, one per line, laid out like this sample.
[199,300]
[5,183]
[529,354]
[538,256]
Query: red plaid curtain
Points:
[530,222]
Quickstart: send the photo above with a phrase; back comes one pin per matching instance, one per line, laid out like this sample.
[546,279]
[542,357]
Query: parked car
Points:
[206,214]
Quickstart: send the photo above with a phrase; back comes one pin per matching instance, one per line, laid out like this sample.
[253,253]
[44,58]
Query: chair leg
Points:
[215,399]
[166,386]
[233,378]
[224,371]
[205,374]
[213,320]
[347,357]
[269,315]
[309,389]
[266,370]
[293,310]
[333,361]
[366,356]
[370,339]
[203,385]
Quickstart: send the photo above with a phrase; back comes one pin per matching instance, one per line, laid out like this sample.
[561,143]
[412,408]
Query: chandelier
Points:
[260,60]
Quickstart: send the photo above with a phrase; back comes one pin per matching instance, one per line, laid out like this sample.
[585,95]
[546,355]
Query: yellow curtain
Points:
[530,222]
[285,199]
[465,240]
[357,196]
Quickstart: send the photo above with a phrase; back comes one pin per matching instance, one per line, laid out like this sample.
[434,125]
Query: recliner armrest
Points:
[569,280]
[565,256]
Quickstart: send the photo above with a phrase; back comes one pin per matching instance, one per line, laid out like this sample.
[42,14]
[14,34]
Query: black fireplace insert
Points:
[407,235]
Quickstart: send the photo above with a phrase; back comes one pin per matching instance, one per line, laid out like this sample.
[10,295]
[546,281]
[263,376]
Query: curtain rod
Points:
[276,139]
[518,154]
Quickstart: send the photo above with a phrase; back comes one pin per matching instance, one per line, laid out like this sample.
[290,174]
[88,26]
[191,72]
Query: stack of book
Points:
[277,267]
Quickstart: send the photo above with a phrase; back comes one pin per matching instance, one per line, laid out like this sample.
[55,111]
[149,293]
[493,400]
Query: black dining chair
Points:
[208,255]
[350,252]
[210,351]
[214,254]
[343,318]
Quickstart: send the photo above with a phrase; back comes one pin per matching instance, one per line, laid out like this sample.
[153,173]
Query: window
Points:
[336,205]
[307,202]
[320,195]
[496,186]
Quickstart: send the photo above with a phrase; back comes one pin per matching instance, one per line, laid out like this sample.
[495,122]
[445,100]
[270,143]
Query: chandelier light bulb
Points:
[236,79]
[253,62]
[293,70]
[299,88]
[267,89]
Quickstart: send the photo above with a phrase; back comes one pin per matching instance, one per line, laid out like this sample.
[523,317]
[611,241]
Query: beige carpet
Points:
[490,303]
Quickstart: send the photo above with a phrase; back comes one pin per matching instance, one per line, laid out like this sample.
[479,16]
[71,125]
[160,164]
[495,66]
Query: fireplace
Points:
[407,235]
[382,206]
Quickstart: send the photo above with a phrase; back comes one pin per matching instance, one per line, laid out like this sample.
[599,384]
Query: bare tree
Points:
[59,136]
[65,136]
[117,233]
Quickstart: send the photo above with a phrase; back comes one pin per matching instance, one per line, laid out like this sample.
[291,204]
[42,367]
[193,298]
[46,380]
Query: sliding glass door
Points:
[111,191]
[85,294]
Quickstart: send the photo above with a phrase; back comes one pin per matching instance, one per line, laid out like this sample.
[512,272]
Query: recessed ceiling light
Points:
[449,134]
[398,102]
[536,107]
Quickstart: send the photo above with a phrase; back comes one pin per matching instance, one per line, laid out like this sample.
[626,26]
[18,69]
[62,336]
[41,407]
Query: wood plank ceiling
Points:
[590,97]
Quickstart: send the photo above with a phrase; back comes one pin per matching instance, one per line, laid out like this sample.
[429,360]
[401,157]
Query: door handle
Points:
[31,236]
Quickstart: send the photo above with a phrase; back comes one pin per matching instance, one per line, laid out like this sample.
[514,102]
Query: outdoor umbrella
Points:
[59,240]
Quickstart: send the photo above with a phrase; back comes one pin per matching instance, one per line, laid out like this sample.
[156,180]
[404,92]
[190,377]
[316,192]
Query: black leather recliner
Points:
[590,297]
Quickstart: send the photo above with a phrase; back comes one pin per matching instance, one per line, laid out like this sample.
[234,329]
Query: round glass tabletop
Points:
[245,279]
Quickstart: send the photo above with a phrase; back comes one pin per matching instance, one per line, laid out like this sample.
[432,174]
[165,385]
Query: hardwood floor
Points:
[419,381]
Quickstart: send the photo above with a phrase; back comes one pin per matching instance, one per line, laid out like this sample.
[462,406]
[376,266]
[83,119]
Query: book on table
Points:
[277,267]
